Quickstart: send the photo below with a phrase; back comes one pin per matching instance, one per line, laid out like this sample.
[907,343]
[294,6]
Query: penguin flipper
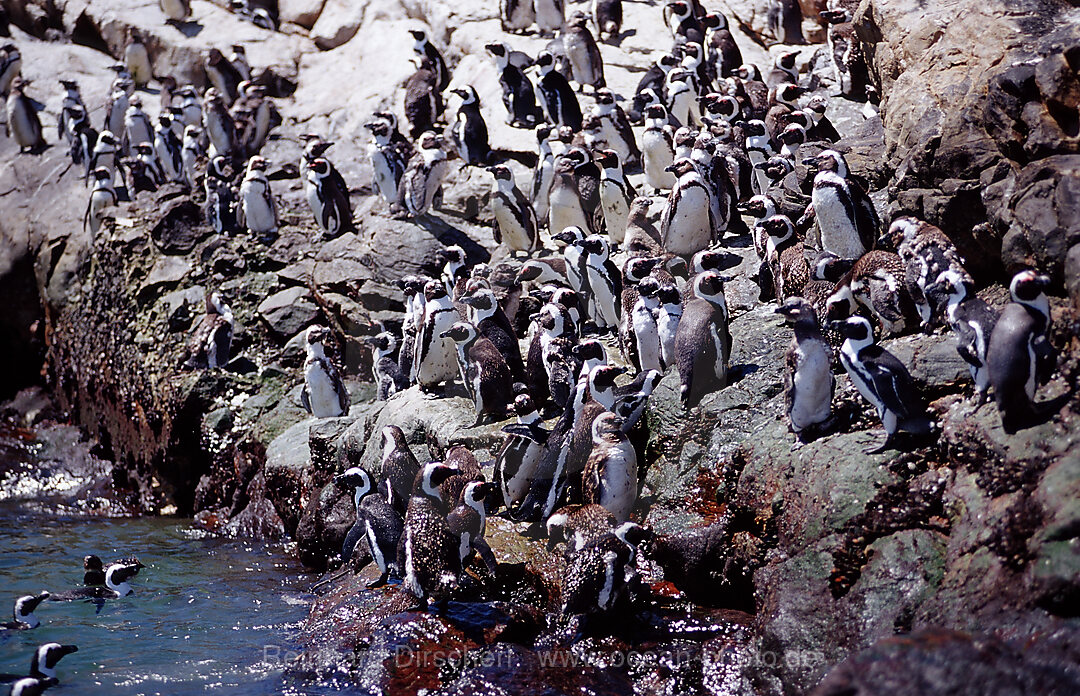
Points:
[896,388]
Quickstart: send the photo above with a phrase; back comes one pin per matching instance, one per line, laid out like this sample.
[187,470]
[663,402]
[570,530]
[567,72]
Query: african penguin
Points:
[431,560]
[102,196]
[423,48]
[556,96]
[586,62]
[516,15]
[604,283]
[257,204]
[645,335]
[971,319]
[389,378]
[518,95]
[927,253]
[578,525]
[515,221]
[424,175]
[616,128]
[328,201]
[846,217]
[808,379]
[423,99]
[702,341]
[596,577]
[324,394]
[519,454]
[468,522]
[23,124]
[483,371]
[377,522]
[210,342]
[550,16]
[435,360]
[687,223]
[469,130]
[610,476]
[23,617]
[658,148]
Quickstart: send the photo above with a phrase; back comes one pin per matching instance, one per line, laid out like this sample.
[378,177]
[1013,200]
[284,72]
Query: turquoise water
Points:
[208,615]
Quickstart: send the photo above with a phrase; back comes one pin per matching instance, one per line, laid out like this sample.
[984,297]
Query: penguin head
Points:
[755,127]
[840,304]
[357,480]
[468,95]
[524,405]
[590,349]
[92,562]
[460,332]
[709,286]
[786,93]
[476,491]
[319,167]
[118,574]
[144,148]
[855,329]
[257,164]
[393,438]
[678,76]
[530,270]
[679,8]
[759,206]
[776,168]
[609,159]
[778,227]
[828,266]
[579,20]
[103,175]
[786,60]
[669,294]
[190,133]
[214,57]
[632,534]
[431,477]
[681,167]
[482,300]
[499,50]
[428,141]
[570,235]
[656,112]
[316,335]
[637,268]
[434,290]
[829,161]
[70,85]
[648,287]
[48,656]
[602,379]
[452,254]
[605,97]
[715,20]
[107,137]
[955,285]
[794,134]
[597,245]
[501,172]
[796,309]
[384,342]
[215,304]
[32,686]
[420,37]
[25,606]
[817,105]
[378,128]
[639,207]
[903,229]
[837,16]
[607,425]
[565,298]
[1029,288]
[748,72]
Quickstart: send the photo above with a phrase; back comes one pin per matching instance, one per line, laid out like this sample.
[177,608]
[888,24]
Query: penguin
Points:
[468,522]
[578,525]
[927,253]
[722,54]
[642,238]
[515,221]
[785,257]
[784,19]
[808,379]
[423,100]
[516,16]
[256,202]
[759,149]
[483,371]
[687,223]
[610,476]
[608,17]
[714,171]
[23,618]
[971,319]
[616,195]
[882,380]
[223,75]
[791,139]
[221,205]
[846,217]
[145,155]
[468,466]
[454,268]
[493,324]
[596,577]
[518,95]
[424,175]
[10,66]
[565,205]
[658,149]
[423,48]
[556,340]
[389,378]
[31,686]
[218,124]
[176,11]
[329,203]
[431,561]
[71,108]
[259,113]
[682,101]
[616,127]
[821,127]
[264,17]
[586,63]
[137,61]
[550,16]
[783,70]
[435,360]
[630,406]
[667,321]
[324,394]
[191,152]
[102,196]
[117,584]
[399,467]
[651,85]
[469,130]
[702,341]
[190,107]
[876,281]
[43,664]
[115,109]
[845,51]
[136,177]
[604,282]
[1019,348]
[543,271]
[543,173]
[23,124]
[783,107]
[376,522]
[556,96]
[388,160]
[412,288]
[647,353]
[720,110]
[519,454]
[683,22]
[104,154]
[210,343]
[168,149]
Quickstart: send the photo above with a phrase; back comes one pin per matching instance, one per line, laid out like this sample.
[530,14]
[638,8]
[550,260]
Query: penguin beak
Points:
[810,161]
[445,334]
[670,168]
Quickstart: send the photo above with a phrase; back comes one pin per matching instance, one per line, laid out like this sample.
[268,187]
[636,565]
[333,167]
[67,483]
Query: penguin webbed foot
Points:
[380,581]
[887,443]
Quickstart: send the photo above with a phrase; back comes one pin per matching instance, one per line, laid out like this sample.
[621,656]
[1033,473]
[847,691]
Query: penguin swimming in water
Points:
[518,95]
[43,664]
[483,371]
[610,476]
[596,577]
[1019,349]
[808,379]
[211,341]
[702,341]
[971,319]
[389,378]
[519,454]
[515,220]
[31,686]
[324,394]
[376,521]
[431,560]
[470,132]
[117,584]
[23,618]
[882,380]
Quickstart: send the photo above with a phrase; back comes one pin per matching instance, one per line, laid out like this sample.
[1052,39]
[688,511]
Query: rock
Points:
[259,520]
[1072,275]
[181,306]
[941,661]
[326,522]
[287,471]
[288,311]
[302,12]
[180,226]
[167,272]
[1043,216]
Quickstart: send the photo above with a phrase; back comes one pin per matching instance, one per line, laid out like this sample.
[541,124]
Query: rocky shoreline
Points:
[816,556]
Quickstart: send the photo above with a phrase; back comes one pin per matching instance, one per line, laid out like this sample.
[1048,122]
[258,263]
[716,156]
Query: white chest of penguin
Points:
[813,383]
[322,394]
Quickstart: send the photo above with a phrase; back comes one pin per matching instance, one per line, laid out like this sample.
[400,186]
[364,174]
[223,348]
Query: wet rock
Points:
[941,661]
[1072,275]
[288,463]
[288,311]
[326,522]
[259,520]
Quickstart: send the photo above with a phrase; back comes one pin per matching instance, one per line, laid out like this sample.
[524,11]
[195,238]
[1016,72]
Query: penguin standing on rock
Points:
[379,524]
[426,50]
[882,380]
[616,127]
[687,224]
[102,196]
[516,15]
[556,95]
[616,195]
[223,75]
[483,371]
[566,207]
[658,148]
[784,19]
[324,394]
[515,220]
[435,359]
[597,576]
[424,176]
[221,205]
[702,341]
[519,454]
[610,477]
[431,560]
[23,124]
[586,63]
[469,130]
[927,253]
[218,124]
[604,283]
[329,202]
[845,215]
[971,319]
[389,379]
[211,342]
[1020,349]
[493,324]
[608,16]
[423,99]
[808,380]
[399,467]
[550,16]
[468,522]
[388,160]
[518,95]
[257,205]
[647,353]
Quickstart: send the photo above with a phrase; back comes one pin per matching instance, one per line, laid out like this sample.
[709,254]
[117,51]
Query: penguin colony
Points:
[100,583]
[606,265]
